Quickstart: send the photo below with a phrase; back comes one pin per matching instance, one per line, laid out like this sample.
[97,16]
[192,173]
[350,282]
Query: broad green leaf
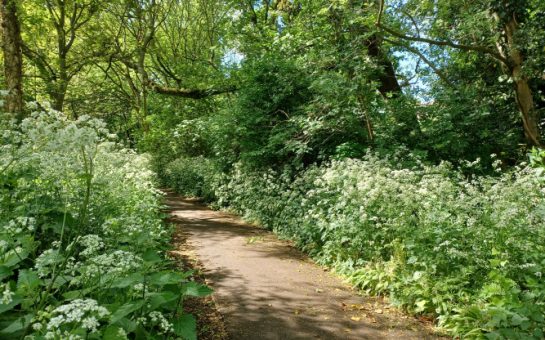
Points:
[420,306]
[196,289]
[168,278]
[4,272]
[127,324]
[27,282]
[141,334]
[125,310]
[128,281]
[151,256]
[15,301]
[186,327]
[12,258]
[18,325]
[78,294]
[113,333]
[159,299]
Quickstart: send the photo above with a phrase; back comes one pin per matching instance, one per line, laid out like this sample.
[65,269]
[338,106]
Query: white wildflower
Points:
[7,295]
[46,260]
[85,313]
[157,318]
[92,244]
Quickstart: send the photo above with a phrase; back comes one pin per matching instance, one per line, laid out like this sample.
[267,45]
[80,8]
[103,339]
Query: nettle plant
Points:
[82,244]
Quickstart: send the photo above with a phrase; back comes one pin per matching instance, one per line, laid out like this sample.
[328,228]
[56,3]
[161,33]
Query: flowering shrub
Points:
[81,238]
[470,251]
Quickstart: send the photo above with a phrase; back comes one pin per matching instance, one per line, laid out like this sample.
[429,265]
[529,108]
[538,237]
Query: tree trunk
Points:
[13,59]
[523,92]
[387,78]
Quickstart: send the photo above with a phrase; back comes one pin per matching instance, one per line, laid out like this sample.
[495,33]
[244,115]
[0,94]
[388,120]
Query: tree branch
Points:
[476,48]
[437,71]
[190,93]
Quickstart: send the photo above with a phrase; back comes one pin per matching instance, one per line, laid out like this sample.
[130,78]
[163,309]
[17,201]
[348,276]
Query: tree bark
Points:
[510,57]
[523,91]
[387,78]
[13,59]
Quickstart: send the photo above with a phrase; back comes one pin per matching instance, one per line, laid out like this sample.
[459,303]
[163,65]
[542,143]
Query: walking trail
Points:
[266,289]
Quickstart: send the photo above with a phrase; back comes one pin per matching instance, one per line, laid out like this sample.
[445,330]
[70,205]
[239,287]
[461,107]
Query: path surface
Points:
[266,289]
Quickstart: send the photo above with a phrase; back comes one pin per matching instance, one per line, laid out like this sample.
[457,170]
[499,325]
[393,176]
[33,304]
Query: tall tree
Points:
[506,48]
[13,59]
[62,44]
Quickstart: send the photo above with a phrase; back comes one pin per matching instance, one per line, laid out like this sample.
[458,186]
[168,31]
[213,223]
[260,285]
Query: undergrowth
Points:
[82,243]
[469,251]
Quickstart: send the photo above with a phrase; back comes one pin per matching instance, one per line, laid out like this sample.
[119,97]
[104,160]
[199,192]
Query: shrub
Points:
[81,238]
[470,251]
[191,177]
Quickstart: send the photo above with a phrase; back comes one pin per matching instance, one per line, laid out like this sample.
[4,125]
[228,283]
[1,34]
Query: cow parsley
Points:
[7,295]
[84,313]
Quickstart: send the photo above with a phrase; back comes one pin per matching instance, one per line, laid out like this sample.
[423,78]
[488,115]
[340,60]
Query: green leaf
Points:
[516,320]
[18,325]
[141,333]
[15,301]
[159,299]
[59,281]
[12,258]
[125,310]
[151,256]
[420,306]
[28,282]
[112,333]
[186,327]
[128,281]
[168,278]
[127,324]
[195,289]
[5,272]
[80,293]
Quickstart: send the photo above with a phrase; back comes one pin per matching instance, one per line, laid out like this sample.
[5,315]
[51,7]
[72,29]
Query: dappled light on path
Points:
[266,289]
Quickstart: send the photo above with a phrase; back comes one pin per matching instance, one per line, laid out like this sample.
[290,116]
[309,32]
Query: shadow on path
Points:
[266,289]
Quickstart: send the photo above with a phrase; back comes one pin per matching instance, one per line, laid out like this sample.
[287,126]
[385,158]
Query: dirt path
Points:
[266,289]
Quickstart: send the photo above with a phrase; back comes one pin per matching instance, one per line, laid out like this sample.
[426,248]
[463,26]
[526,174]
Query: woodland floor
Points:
[267,289]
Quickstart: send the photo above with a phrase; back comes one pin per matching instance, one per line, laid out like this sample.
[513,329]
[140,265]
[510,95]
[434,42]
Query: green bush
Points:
[82,244]
[192,177]
[470,251]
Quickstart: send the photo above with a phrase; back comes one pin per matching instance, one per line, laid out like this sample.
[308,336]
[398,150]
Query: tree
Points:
[62,40]
[13,59]
[506,48]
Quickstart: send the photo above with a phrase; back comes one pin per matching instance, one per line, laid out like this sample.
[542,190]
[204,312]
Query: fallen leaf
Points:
[355,318]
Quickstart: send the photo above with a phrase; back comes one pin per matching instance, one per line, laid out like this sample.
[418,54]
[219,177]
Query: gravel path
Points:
[266,289]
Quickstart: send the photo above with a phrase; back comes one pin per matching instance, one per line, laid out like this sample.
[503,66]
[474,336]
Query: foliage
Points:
[293,113]
[82,245]
[193,177]
[467,250]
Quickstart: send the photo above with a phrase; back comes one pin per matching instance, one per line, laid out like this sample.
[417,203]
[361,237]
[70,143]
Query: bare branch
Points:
[438,72]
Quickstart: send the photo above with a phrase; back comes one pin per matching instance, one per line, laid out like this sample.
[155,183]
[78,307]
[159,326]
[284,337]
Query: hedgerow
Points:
[467,250]
[82,243]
